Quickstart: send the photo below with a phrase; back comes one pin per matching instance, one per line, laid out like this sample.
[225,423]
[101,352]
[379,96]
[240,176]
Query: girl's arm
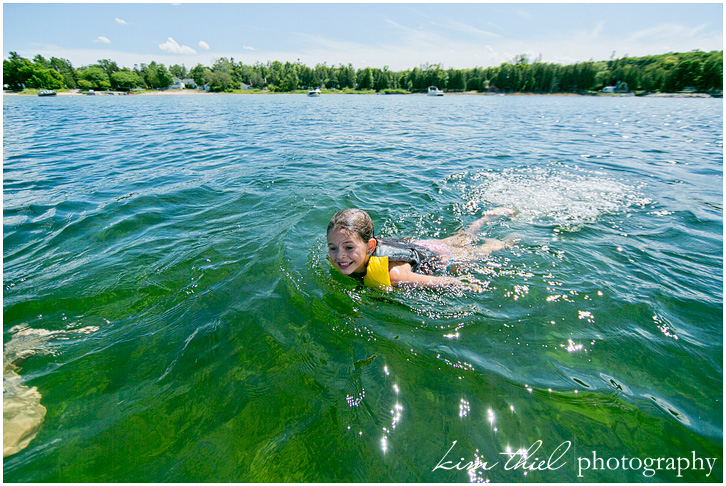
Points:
[400,274]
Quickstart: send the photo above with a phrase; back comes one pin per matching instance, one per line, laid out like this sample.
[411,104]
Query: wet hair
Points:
[353,221]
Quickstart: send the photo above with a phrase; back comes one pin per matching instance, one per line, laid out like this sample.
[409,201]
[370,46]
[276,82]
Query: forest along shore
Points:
[694,71]
[196,92]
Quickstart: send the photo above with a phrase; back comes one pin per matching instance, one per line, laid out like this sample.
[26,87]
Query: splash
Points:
[556,194]
[23,414]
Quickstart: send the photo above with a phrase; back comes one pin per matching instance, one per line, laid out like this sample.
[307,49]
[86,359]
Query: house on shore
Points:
[620,87]
[186,83]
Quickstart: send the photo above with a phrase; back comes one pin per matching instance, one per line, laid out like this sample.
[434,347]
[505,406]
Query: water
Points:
[168,305]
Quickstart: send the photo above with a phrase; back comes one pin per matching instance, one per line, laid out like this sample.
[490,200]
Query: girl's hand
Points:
[401,275]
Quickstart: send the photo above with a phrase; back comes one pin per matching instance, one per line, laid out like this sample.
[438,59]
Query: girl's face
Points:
[348,252]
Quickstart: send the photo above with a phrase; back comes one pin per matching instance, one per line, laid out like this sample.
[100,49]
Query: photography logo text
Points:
[537,459]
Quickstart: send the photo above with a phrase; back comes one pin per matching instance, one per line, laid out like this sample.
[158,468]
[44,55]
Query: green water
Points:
[167,294]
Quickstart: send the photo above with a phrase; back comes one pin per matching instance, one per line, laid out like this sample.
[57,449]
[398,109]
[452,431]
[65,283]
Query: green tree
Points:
[456,80]
[156,75]
[686,73]
[126,79]
[262,70]
[94,78]
[197,73]
[109,67]
[256,79]
[504,77]
[365,79]
[40,61]
[602,75]
[290,80]
[65,68]
[243,73]
[712,74]
[323,75]
[274,74]
[16,71]
[218,80]
[19,73]
[345,76]
[45,79]
[178,71]
[306,76]
[223,65]
[382,79]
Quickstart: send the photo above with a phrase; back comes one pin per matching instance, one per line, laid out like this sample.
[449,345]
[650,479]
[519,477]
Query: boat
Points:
[47,92]
[314,92]
[91,92]
[434,91]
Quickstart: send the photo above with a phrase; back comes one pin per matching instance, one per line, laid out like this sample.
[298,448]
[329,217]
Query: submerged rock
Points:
[23,414]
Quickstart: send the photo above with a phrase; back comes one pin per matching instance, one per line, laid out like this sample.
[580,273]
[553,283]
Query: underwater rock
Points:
[23,413]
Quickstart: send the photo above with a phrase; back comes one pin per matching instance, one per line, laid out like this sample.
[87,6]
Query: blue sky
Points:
[401,36]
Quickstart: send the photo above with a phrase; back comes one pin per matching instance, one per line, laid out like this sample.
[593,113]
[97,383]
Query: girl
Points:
[385,263]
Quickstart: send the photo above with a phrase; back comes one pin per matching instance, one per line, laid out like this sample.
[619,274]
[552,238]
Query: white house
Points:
[182,83]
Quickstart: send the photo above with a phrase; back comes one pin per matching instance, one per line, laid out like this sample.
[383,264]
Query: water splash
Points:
[557,193]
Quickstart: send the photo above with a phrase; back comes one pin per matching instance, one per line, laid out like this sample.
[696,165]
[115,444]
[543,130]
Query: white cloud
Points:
[461,27]
[203,45]
[173,47]
[103,40]
[587,35]
[401,27]
[667,31]
[121,21]
[248,48]
[600,28]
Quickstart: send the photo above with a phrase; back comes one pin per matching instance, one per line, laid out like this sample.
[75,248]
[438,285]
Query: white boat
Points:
[314,92]
[47,92]
[91,92]
[434,91]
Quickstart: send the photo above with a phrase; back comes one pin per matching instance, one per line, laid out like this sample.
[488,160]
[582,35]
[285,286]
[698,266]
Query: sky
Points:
[400,36]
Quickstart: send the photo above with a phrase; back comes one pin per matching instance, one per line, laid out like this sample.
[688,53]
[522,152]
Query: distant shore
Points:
[198,92]
[77,92]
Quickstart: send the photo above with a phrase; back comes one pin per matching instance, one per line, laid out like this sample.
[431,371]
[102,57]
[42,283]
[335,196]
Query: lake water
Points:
[169,314]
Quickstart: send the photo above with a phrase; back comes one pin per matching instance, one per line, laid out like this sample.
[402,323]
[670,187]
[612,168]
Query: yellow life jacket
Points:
[377,274]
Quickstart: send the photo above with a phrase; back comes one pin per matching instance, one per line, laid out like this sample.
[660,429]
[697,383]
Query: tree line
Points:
[668,73]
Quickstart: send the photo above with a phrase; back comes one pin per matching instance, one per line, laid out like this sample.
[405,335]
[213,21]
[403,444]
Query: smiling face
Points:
[348,252]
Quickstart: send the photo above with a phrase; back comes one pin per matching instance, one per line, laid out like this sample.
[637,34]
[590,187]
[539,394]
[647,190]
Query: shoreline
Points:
[196,92]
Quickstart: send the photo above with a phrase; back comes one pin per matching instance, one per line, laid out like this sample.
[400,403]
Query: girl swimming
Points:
[385,263]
